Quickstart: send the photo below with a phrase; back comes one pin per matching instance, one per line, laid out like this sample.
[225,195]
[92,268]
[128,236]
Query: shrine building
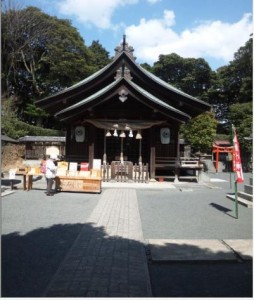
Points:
[123,113]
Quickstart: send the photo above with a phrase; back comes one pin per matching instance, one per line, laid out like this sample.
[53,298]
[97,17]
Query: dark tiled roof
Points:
[99,81]
[6,138]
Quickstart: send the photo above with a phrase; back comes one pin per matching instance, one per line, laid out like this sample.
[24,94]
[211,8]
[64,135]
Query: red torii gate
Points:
[217,150]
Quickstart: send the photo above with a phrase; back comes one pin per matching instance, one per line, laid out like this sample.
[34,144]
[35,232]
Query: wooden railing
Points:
[165,162]
[184,168]
[125,172]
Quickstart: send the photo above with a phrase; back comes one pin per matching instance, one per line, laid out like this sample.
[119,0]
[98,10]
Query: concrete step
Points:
[246,196]
[241,201]
[251,180]
[248,189]
[3,188]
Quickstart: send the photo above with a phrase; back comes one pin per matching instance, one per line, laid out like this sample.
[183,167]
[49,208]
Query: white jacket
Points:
[50,169]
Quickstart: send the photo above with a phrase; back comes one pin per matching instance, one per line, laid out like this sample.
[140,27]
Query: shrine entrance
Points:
[114,146]
[217,150]
[124,113]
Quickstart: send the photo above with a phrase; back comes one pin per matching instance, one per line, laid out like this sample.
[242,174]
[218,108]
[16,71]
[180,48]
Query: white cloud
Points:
[213,39]
[153,1]
[93,12]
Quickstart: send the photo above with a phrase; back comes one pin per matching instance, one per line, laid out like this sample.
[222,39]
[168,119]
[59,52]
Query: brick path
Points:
[108,257]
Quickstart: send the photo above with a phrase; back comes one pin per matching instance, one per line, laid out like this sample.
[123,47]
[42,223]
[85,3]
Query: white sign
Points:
[97,164]
[12,173]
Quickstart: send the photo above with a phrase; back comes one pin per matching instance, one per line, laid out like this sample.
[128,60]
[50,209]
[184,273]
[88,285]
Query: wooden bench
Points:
[171,164]
[167,164]
[191,165]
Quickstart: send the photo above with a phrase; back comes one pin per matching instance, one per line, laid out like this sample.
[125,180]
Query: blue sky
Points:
[211,29]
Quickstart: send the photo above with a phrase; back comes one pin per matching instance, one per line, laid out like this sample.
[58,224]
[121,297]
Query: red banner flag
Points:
[237,164]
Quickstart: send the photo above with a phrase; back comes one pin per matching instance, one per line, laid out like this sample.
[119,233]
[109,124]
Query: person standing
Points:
[50,175]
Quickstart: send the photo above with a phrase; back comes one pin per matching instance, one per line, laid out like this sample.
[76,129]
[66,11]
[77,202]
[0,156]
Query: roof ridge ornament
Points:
[124,47]
[123,73]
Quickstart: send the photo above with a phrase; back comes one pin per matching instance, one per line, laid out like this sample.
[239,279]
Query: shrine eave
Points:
[104,77]
[133,90]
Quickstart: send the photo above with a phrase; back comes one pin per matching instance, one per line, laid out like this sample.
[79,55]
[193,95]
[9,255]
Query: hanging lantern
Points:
[108,133]
[138,135]
[80,134]
[122,135]
[165,135]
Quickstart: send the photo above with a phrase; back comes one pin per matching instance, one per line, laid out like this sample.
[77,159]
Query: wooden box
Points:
[78,184]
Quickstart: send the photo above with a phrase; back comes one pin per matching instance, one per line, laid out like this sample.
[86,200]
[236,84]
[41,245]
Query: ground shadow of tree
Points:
[29,261]
[30,266]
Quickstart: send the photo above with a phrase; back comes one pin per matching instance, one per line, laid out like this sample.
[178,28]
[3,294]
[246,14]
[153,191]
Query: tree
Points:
[200,132]
[190,75]
[100,56]
[9,119]
[41,55]
[232,84]
[15,128]
[147,67]
[241,116]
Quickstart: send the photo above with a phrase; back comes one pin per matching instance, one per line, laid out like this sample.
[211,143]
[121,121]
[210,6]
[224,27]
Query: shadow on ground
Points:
[202,279]
[30,261]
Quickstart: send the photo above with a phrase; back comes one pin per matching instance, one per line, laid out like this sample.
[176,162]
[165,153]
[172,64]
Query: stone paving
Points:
[200,250]
[108,258]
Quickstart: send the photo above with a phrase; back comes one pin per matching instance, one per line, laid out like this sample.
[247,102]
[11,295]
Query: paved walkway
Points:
[200,250]
[108,257]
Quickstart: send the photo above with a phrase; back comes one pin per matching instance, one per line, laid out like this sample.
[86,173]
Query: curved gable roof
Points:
[109,91]
[103,81]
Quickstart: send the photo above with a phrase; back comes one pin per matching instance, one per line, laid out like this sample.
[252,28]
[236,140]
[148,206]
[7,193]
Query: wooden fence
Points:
[125,172]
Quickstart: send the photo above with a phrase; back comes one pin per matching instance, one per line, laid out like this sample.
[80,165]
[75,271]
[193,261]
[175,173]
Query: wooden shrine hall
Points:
[124,115]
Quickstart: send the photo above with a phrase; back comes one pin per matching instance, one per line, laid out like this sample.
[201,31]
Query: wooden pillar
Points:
[177,152]
[25,150]
[140,152]
[121,152]
[177,144]
[152,153]
[104,159]
[69,141]
[91,145]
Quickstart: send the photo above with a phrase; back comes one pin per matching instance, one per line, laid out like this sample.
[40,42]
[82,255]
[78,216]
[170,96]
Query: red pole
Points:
[217,159]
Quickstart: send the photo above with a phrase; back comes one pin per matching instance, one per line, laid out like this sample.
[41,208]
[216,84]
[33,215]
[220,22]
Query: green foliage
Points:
[15,128]
[200,132]
[241,116]
[222,137]
[9,120]
[41,55]
[147,67]
[100,57]
[190,75]
[233,84]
